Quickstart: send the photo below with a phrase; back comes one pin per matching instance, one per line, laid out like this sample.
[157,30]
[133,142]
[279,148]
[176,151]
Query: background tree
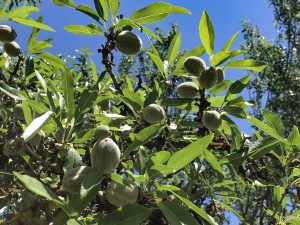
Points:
[277,87]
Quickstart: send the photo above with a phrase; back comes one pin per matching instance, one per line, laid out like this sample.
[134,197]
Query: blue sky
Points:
[226,16]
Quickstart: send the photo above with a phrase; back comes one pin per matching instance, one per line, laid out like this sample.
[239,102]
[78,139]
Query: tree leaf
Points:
[186,155]
[237,87]
[36,125]
[37,187]
[143,137]
[22,12]
[88,11]
[84,30]
[156,12]
[176,214]
[31,23]
[53,60]
[130,214]
[219,58]
[207,34]
[187,202]
[72,160]
[158,62]
[174,49]
[273,121]
[229,43]
[246,64]
[68,87]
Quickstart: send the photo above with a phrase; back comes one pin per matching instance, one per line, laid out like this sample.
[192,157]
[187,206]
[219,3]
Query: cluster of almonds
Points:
[8,36]
[105,157]
[208,77]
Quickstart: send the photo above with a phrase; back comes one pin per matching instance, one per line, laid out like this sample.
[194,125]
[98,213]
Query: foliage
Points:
[277,87]
[186,173]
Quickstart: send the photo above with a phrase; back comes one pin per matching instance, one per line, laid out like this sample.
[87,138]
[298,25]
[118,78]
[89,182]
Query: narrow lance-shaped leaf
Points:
[207,34]
[229,43]
[246,64]
[186,155]
[36,125]
[68,87]
[31,23]
[174,49]
[156,12]
[84,30]
[158,62]
[237,87]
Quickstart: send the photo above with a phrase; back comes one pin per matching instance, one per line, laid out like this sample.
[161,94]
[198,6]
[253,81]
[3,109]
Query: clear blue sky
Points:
[226,16]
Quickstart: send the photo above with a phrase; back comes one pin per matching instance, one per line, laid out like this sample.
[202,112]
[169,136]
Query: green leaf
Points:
[143,137]
[73,222]
[68,87]
[220,87]
[294,137]
[186,155]
[101,8]
[229,43]
[237,87]
[156,12]
[267,129]
[113,5]
[219,58]
[187,202]
[158,62]
[72,160]
[280,198]
[36,125]
[12,92]
[174,49]
[212,160]
[198,51]
[69,3]
[53,60]
[130,214]
[22,12]
[230,209]
[84,30]
[160,157]
[246,64]
[31,23]
[88,11]
[86,101]
[37,187]
[273,121]
[207,34]
[176,214]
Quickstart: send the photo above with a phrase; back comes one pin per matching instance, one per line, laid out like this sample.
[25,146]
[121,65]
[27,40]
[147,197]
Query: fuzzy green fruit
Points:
[102,132]
[187,90]
[153,113]
[105,156]
[12,49]
[209,78]
[128,43]
[12,147]
[7,33]
[18,111]
[221,75]
[105,105]
[212,120]
[73,178]
[120,195]
[194,65]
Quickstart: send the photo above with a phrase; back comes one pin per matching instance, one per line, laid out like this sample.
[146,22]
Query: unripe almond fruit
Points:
[153,113]
[102,132]
[212,120]
[105,156]
[7,33]
[209,78]
[73,178]
[128,43]
[18,111]
[12,49]
[187,90]
[221,75]
[120,195]
[194,65]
